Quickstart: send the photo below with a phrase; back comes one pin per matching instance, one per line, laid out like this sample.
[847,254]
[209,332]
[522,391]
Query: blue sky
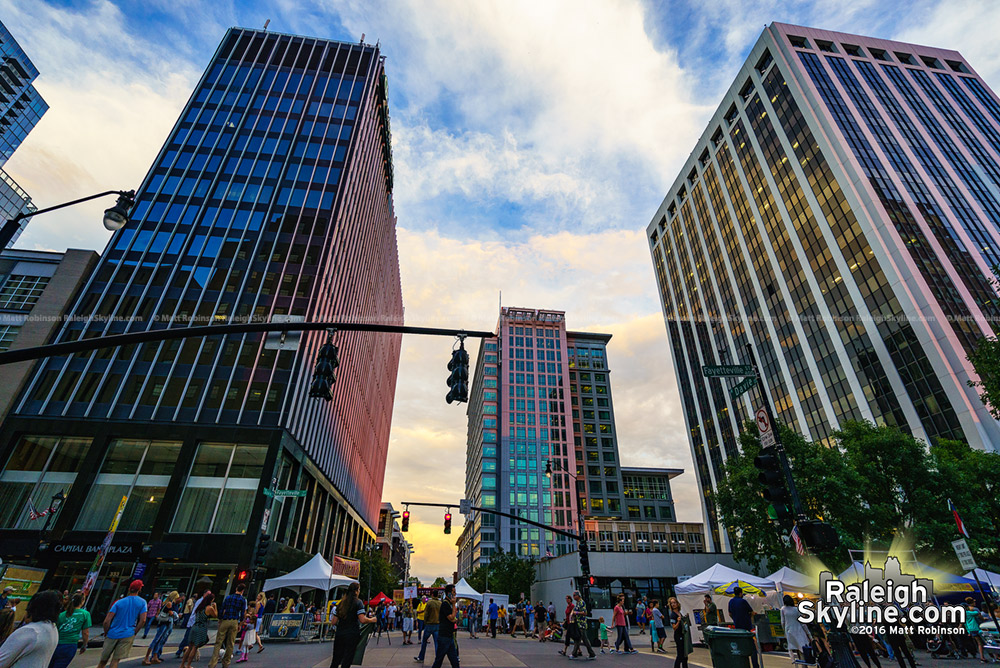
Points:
[533,141]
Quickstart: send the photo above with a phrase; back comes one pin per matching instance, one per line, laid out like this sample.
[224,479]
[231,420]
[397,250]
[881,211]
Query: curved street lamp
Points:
[115,217]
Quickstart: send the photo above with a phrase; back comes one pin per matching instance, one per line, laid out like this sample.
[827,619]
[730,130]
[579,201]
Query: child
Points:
[249,635]
[652,637]
[604,635]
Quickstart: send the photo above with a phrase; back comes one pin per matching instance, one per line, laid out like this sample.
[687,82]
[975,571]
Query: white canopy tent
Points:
[464,590]
[788,581]
[988,578]
[317,573]
[691,592]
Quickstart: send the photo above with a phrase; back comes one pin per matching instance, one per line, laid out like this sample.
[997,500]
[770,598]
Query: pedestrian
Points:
[198,637]
[190,611]
[710,616]
[621,627]
[640,616]
[656,624]
[271,606]
[73,626]
[796,634]
[473,616]
[234,607]
[121,625]
[552,612]
[972,616]
[682,637]
[431,625]
[519,616]
[494,614]
[446,631]
[152,610]
[580,619]
[34,643]
[348,616]
[407,622]
[603,635]
[569,625]
[165,624]
[249,637]
[742,615]
[421,607]
[502,619]
[5,597]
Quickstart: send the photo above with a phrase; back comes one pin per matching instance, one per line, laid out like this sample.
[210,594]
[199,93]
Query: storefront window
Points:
[137,469]
[39,468]
[220,491]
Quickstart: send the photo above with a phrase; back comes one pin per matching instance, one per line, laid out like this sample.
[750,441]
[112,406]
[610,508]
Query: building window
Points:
[139,470]
[39,468]
[19,293]
[633,513]
[220,490]
[7,335]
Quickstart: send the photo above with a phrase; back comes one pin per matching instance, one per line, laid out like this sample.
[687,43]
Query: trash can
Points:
[730,648]
[594,632]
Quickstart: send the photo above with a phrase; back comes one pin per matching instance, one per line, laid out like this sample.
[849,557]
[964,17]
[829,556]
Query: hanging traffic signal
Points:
[458,380]
[406,520]
[584,559]
[818,535]
[263,545]
[447,522]
[325,373]
[772,478]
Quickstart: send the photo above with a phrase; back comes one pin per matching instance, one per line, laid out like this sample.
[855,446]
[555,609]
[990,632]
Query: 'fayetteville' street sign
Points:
[720,370]
[737,390]
[285,492]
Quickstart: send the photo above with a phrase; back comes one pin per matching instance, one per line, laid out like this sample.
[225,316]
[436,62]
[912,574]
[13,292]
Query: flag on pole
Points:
[34,514]
[958,519]
[797,539]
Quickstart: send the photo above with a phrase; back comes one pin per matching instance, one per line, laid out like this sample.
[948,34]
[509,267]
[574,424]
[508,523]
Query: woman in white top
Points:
[795,632]
[33,645]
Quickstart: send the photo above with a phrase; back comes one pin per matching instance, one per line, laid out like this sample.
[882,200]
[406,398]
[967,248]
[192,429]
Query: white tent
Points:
[464,590]
[987,578]
[691,592]
[317,573]
[789,581]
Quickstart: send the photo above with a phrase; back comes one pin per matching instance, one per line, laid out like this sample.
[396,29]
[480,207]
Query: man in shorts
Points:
[122,622]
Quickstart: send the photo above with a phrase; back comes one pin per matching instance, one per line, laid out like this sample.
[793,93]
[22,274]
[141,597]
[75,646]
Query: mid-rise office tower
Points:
[272,196]
[841,213]
[21,107]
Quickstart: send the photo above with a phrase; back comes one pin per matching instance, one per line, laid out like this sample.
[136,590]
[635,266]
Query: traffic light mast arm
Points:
[561,532]
[780,449]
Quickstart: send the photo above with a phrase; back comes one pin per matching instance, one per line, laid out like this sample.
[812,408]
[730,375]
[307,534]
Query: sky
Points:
[532,142]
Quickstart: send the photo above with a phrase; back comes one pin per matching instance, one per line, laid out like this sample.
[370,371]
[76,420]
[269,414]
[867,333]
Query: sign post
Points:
[95,568]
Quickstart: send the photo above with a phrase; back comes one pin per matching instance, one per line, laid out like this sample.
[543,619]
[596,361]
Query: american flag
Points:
[958,520]
[800,547]
[34,514]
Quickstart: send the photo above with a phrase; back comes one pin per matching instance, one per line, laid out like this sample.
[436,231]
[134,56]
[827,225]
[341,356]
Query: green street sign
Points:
[741,387]
[722,370]
[284,492]
[268,493]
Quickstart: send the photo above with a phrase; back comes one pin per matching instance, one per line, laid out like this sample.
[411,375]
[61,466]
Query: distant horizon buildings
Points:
[841,214]
[270,198]
[21,107]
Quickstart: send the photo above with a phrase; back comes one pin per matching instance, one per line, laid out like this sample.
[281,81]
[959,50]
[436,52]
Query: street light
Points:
[114,218]
[57,500]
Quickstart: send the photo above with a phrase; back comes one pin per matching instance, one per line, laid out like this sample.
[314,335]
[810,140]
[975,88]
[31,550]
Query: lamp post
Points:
[54,503]
[115,217]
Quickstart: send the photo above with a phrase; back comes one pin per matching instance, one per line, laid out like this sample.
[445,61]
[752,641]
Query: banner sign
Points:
[285,626]
[350,568]
[102,552]
[409,592]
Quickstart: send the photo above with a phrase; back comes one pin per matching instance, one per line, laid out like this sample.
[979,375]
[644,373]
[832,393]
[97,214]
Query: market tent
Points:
[988,578]
[691,592]
[464,590]
[791,581]
[314,574]
[381,598]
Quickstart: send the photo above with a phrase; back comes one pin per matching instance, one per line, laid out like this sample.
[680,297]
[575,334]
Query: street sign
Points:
[964,554]
[764,427]
[263,522]
[284,492]
[465,506]
[740,388]
[284,340]
[720,370]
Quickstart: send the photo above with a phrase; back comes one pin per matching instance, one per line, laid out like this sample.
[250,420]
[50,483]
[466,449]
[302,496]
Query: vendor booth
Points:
[317,573]
[464,590]
[719,582]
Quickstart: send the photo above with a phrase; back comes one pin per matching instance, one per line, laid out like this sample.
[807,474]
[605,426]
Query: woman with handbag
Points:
[795,632]
[164,625]
[682,636]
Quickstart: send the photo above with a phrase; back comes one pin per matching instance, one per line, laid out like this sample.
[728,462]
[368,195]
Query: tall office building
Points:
[541,399]
[840,213]
[272,196]
[20,109]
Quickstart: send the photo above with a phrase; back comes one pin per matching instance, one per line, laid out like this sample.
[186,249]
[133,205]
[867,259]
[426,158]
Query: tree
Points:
[986,361]
[377,574]
[971,479]
[505,574]
[439,582]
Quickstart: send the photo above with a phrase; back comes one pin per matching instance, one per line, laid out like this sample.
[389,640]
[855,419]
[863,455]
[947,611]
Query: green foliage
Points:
[439,582]
[377,572]
[875,485]
[505,574]
[986,361]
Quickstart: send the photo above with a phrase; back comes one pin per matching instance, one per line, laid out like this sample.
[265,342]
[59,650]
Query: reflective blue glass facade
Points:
[20,104]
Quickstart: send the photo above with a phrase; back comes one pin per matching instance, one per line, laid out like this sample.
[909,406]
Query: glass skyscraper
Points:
[841,213]
[21,107]
[271,197]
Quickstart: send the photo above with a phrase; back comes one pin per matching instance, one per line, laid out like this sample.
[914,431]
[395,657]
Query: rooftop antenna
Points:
[267,23]
[362,38]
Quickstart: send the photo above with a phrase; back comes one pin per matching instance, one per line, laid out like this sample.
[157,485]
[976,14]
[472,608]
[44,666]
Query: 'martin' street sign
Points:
[721,370]
[740,388]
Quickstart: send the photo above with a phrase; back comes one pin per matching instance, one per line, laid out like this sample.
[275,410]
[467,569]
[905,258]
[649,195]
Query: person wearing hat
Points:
[122,622]
[5,596]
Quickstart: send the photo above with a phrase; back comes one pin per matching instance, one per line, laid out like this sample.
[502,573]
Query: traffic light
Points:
[458,380]
[325,373]
[591,580]
[406,520]
[584,559]
[243,577]
[263,545]
[818,535]
[772,477]
[447,522]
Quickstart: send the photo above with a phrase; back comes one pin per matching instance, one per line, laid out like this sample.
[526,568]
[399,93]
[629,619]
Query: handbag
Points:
[808,655]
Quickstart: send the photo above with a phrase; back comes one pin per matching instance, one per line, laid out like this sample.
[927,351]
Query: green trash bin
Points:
[594,632]
[730,648]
